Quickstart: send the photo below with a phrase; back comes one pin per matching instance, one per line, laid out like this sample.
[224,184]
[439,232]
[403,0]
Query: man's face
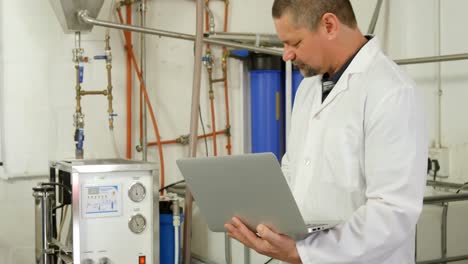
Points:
[302,46]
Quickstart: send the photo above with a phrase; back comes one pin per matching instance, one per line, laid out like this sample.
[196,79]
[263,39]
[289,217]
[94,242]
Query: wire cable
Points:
[58,207]
[57,184]
[462,187]
[62,221]
[269,261]
[170,185]
[203,128]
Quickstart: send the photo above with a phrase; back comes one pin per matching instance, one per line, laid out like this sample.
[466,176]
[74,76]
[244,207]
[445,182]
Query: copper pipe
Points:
[110,109]
[177,140]
[209,69]
[226,94]
[217,80]
[78,116]
[78,89]
[213,124]
[103,92]
[164,142]
[226,100]
[222,132]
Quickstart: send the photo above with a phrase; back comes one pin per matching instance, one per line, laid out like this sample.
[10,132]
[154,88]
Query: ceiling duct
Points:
[66,12]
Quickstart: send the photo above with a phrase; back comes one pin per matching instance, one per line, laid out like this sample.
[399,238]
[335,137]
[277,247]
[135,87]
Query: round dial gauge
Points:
[137,223]
[137,192]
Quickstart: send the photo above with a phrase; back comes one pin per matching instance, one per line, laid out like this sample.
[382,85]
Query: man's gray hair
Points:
[309,12]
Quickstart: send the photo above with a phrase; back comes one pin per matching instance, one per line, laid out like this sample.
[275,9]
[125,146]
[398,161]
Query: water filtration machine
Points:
[114,213]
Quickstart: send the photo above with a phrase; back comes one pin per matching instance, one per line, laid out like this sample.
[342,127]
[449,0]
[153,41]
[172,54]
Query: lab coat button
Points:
[307,162]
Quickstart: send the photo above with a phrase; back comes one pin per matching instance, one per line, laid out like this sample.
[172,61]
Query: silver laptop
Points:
[251,187]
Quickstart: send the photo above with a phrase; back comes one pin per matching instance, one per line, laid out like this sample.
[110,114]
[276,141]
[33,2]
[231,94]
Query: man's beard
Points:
[306,70]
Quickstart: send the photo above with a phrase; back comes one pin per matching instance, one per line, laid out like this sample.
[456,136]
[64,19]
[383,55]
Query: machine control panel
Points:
[116,217]
[101,200]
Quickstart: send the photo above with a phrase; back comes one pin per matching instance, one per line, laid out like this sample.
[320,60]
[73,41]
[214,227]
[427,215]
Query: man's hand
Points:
[269,243]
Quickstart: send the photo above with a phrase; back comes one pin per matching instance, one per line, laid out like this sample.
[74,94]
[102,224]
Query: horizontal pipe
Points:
[454,57]
[177,140]
[444,184]
[442,260]
[269,40]
[83,16]
[104,92]
[218,80]
[446,198]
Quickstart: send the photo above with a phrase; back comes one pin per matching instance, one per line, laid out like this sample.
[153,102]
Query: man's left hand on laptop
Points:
[269,243]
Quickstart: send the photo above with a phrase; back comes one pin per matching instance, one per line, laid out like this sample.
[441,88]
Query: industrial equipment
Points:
[114,213]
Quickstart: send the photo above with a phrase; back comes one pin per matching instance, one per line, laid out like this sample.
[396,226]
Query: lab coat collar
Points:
[359,64]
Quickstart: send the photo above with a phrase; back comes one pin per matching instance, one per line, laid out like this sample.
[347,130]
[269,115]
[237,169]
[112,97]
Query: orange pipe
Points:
[212,108]
[226,103]
[173,141]
[213,125]
[128,36]
[166,142]
[226,95]
[207,18]
[226,14]
[209,135]
[150,108]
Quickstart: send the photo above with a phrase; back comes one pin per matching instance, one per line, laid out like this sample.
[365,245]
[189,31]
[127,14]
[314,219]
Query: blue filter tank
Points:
[267,104]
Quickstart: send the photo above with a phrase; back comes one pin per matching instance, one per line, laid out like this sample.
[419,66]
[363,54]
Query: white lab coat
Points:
[360,156]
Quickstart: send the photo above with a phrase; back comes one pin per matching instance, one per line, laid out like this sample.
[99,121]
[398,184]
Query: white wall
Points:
[38,84]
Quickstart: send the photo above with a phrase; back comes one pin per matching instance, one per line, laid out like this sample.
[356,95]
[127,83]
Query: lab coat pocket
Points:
[343,155]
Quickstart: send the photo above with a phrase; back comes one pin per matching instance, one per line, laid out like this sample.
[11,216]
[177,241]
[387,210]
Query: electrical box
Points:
[115,215]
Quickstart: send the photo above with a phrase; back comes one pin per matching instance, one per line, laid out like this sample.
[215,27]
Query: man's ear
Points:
[330,25]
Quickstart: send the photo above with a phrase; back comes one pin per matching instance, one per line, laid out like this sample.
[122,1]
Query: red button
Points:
[142,260]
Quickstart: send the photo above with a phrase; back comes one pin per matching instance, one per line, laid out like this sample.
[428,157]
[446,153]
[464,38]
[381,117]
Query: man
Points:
[358,144]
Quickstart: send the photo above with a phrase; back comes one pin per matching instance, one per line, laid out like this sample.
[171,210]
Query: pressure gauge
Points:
[137,223]
[137,192]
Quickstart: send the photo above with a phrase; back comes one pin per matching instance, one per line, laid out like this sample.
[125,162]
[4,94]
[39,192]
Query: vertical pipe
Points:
[176,224]
[227,239]
[110,109]
[213,117]
[193,128]
[444,231]
[227,249]
[246,255]
[226,95]
[128,34]
[226,101]
[375,17]
[78,116]
[439,92]
[143,72]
